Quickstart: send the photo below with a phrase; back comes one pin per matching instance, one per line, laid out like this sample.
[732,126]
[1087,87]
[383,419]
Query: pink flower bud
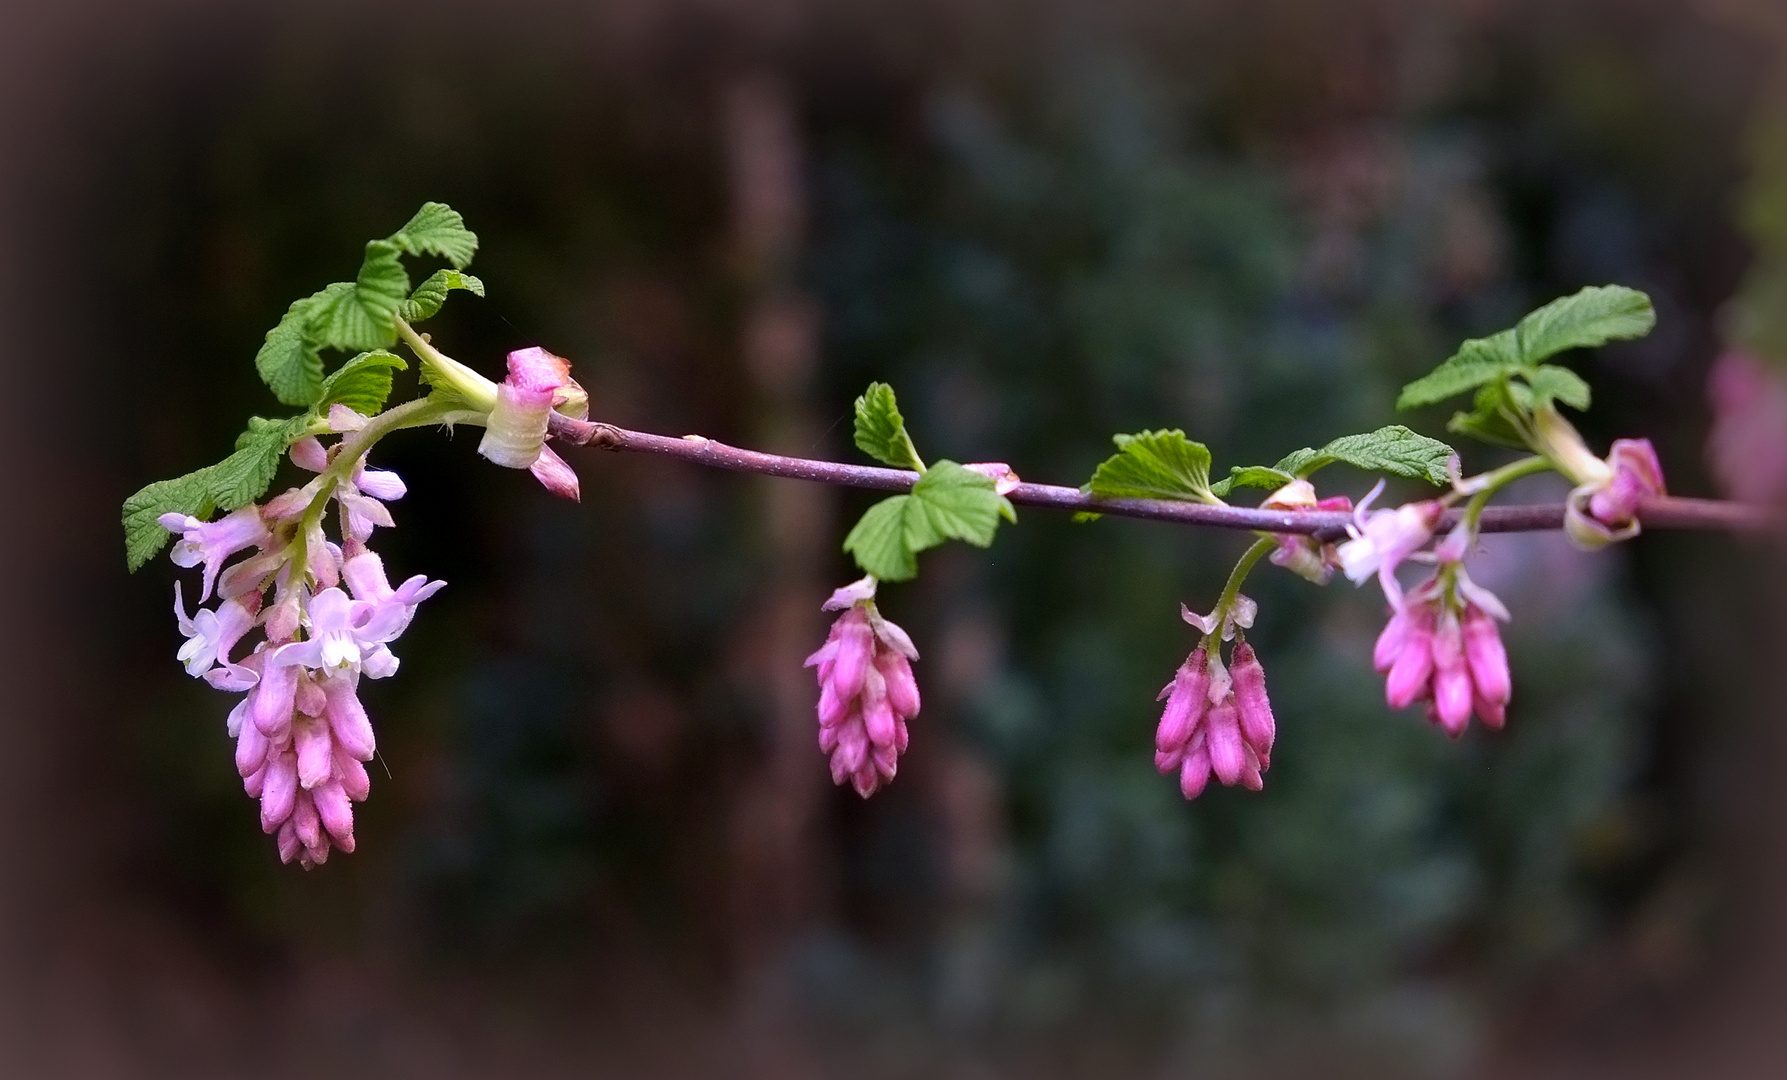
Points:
[1004,480]
[1451,678]
[515,432]
[1185,708]
[279,791]
[1412,669]
[1606,510]
[310,738]
[1257,724]
[1194,774]
[1227,757]
[1487,658]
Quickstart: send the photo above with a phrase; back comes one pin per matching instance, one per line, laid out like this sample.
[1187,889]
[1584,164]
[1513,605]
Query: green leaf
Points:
[1154,465]
[1549,382]
[1596,315]
[949,502]
[431,294]
[287,361]
[879,541]
[362,384]
[1488,419]
[362,314]
[438,229]
[1256,476]
[232,483]
[1394,449]
[881,430]
[1477,361]
[952,502]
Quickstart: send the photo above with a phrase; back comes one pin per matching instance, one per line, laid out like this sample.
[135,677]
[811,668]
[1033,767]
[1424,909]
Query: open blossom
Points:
[1217,720]
[1442,646]
[1605,510]
[515,436]
[1301,553]
[1747,447]
[302,736]
[866,690]
[1383,539]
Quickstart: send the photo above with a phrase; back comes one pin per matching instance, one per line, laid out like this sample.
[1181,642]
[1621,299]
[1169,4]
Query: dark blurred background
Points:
[606,844]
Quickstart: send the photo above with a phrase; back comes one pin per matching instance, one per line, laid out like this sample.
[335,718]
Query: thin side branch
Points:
[1669,512]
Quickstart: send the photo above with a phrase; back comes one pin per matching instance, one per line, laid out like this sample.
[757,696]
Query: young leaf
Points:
[287,361]
[232,483]
[1550,382]
[879,541]
[431,294]
[362,314]
[1256,476]
[438,229]
[1488,419]
[1477,361]
[362,384]
[951,502]
[1596,315]
[1394,449]
[1154,465]
[881,430]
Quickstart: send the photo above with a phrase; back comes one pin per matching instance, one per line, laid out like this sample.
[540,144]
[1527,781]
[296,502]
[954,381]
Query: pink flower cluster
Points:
[1217,720]
[1442,646]
[866,690]
[301,733]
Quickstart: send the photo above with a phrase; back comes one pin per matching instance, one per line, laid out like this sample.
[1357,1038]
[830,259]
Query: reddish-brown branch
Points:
[1669,512]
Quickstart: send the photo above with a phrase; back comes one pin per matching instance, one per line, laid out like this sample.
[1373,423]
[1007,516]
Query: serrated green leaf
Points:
[1549,382]
[879,541]
[1154,465]
[362,384]
[438,229]
[949,502]
[1488,418]
[881,430]
[230,484]
[362,314]
[431,294]
[1393,449]
[1594,316]
[952,502]
[288,360]
[1477,361]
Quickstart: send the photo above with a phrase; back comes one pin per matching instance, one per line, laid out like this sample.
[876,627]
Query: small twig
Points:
[1668,513]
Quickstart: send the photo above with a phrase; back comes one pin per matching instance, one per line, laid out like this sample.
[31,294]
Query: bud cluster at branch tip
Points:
[866,690]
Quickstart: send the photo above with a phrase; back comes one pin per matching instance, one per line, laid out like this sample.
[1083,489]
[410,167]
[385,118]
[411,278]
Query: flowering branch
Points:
[1669,512]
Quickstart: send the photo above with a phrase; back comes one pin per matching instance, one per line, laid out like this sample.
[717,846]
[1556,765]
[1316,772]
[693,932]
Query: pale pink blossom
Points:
[1383,539]
[212,542]
[867,692]
[210,635]
[1747,447]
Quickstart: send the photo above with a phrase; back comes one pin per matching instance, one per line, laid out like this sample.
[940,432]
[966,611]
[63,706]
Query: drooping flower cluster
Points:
[1217,720]
[866,690]
[1442,646]
[1747,447]
[302,736]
